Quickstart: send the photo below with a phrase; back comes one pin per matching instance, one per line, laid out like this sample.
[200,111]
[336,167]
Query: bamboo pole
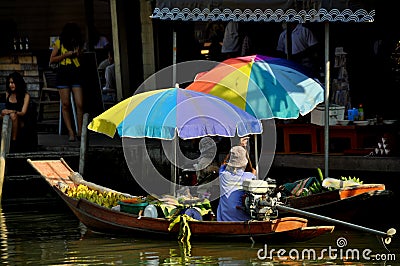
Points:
[386,235]
[5,145]
[84,140]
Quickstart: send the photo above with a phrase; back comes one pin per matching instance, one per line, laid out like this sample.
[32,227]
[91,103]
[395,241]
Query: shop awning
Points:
[264,10]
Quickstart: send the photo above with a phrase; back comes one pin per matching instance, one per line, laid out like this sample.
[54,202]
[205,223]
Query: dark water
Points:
[49,234]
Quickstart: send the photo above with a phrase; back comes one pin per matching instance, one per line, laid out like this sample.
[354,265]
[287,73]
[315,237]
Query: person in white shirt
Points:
[231,44]
[304,45]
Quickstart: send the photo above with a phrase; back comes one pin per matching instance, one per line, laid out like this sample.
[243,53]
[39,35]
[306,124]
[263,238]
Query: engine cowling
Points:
[260,197]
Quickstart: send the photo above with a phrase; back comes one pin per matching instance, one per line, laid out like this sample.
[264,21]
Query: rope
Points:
[250,235]
[184,229]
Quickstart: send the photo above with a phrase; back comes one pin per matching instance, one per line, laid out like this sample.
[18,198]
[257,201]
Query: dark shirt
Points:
[13,106]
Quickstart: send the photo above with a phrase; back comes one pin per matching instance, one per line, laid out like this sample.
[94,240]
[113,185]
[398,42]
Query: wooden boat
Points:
[349,204]
[105,220]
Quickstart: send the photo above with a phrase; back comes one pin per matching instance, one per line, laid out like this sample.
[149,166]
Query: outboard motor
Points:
[260,197]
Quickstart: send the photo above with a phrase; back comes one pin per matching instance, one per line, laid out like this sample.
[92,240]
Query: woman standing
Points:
[17,103]
[66,51]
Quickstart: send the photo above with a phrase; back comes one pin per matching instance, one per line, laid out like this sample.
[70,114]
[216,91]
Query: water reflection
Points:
[52,235]
[3,235]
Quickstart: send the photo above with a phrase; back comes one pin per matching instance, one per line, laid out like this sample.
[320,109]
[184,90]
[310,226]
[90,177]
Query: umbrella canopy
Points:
[263,86]
[162,113]
[273,11]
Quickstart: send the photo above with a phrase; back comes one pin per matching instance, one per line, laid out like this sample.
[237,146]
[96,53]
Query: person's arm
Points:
[222,168]
[78,51]
[6,111]
[225,161]
[250,169]
[25,106]
[249,166]
[56,57]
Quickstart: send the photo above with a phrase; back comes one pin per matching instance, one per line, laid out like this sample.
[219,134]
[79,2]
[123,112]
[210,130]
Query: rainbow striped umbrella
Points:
[164,112]
[265,87]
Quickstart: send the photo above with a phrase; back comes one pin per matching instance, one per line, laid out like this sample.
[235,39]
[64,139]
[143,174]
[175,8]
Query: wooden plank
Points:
[6,60]
[27,59]
[53,171]
[12,67]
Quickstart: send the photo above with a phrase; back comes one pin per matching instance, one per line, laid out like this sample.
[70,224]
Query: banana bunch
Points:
[315,188]
[320,185]
[354,179]
[107,200]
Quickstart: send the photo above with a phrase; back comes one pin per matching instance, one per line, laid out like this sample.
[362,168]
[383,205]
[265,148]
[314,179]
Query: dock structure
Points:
[5,154]
[100,157]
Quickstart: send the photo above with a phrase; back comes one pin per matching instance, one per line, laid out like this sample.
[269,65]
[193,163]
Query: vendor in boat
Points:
[244,142]
[231,177]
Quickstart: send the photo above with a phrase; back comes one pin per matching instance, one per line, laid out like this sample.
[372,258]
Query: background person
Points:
[107,68]
[67,50]
[304,45]
[109,73]
[208,151]
[215,36]
[231,179]
[109,60]
[231,43]
[206,169]
[16,105]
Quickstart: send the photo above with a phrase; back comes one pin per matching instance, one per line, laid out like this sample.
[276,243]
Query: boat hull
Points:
[105,220]
[108,221]
[353,205]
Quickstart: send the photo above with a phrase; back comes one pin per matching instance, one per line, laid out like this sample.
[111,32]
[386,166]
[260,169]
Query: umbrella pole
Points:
[173,164]
[256,154]
[173,167]
[174,59]
[327,85]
